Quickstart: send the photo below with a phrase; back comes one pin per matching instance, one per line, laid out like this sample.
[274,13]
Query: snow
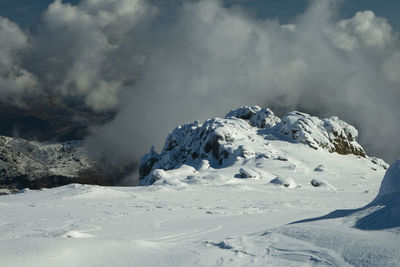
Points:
[245,134]
[284,181]
[248,173]
[204,212]
[391,182]
[257,117]
[320,168]
[329,133]
[218,220]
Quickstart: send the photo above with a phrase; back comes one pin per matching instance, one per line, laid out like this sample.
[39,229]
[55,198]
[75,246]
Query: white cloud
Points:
[211,59]
[88,56]
[15,81]
[364,30]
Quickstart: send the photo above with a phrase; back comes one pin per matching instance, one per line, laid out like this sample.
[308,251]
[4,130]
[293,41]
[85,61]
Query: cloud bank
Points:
[15,80]
[159,67]
[91,50]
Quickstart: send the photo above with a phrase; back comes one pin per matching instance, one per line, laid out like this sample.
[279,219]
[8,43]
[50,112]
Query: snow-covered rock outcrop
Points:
[256,116]
[36,165]
[223,141]
[331,133]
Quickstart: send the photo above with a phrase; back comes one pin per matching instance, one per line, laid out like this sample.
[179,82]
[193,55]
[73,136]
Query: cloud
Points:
[15,81]
[89,48]
[159,66]
[212,58]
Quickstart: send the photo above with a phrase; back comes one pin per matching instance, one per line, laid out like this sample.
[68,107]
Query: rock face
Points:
[34,165]
[330,133]
[215,140]
[222,141]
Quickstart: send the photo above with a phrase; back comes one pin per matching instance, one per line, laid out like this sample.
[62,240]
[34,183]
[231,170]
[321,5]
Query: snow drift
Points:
[391,182]
[381,213]
[386,206]
[384,211]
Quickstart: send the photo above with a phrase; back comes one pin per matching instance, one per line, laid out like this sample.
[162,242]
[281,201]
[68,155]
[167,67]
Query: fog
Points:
[158,67]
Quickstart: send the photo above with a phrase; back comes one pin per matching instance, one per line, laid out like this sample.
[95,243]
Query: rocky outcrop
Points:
[331,133]
[256,116]
[222,141]
[34,165]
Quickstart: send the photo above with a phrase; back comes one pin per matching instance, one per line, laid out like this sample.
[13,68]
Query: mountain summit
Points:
[247,133]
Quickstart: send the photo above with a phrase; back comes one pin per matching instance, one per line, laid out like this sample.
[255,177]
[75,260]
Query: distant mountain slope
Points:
[35,165]
[45,118]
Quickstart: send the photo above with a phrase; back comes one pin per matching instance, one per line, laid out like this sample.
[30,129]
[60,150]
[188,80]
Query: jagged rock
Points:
[222,141]
[213,141]
[257,117]
[331,133]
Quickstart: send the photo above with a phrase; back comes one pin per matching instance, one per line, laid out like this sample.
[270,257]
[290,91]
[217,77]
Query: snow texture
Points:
[209,210]
[391,181]
[208,217]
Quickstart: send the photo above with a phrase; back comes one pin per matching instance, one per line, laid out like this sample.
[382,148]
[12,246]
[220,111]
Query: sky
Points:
[158,63]
[27,12]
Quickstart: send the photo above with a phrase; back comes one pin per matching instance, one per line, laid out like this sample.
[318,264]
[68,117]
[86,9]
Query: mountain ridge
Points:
[222,141]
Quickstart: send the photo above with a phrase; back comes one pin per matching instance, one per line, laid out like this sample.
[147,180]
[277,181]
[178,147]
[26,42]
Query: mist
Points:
[158,67]
[15,80]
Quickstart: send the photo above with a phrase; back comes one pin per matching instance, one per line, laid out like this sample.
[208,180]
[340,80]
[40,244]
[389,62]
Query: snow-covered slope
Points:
[273,199]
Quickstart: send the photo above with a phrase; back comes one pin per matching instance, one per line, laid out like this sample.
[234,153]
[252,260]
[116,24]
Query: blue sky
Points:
[27,12]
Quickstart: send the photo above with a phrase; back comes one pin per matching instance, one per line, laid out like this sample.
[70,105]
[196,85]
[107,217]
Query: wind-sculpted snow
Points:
[391,181]
[384,211]
[381,213]
[224,193]
[239,215]
[244,133]
[331,240]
